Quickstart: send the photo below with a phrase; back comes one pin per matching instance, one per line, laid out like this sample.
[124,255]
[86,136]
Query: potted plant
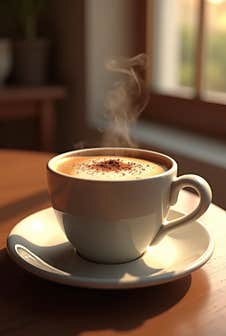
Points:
[5,49]
[31,52]
[5,59]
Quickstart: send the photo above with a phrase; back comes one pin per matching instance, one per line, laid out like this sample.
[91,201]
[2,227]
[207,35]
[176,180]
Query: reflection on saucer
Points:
[163,254]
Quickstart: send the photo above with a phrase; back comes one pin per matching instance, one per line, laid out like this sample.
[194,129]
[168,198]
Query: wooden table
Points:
[26,102]
[194,305]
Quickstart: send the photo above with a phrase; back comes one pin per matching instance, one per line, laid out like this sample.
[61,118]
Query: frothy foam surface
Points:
[109,168]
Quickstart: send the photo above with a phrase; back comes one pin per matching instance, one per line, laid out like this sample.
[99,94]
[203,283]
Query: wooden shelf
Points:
[19,93]
[26,102]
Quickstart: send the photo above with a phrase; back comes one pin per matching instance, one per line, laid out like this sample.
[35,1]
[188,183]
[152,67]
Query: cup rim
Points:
[89,150]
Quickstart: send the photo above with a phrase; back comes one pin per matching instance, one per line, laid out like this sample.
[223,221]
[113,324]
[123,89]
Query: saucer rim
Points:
[77,281]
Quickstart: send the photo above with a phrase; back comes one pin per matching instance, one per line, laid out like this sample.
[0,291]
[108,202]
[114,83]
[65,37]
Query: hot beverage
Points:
[109,167]
[112,202]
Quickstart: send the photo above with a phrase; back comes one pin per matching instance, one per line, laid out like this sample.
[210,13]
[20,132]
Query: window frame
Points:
[195,113]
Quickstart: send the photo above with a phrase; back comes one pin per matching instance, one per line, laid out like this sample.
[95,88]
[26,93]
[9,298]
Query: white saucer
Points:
[38,245]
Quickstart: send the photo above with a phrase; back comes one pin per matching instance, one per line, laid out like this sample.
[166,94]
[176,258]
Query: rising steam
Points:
[126,100]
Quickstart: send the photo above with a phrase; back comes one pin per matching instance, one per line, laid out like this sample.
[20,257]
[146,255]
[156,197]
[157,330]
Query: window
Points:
[214,60]
[186,41]
[173,54]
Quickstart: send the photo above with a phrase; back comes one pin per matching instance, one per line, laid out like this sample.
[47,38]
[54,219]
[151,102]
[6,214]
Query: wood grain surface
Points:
[194,305]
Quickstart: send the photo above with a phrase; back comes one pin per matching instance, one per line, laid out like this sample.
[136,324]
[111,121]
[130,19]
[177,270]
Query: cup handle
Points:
[203,190]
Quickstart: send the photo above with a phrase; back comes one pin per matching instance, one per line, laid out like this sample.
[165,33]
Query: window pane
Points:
[173,49]
[214,60]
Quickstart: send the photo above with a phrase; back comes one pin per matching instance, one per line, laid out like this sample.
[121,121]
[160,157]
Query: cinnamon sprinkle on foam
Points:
[107,165]
[110,167]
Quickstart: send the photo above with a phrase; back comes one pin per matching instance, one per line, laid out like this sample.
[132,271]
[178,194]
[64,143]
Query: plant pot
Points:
[5,59]
[31,62]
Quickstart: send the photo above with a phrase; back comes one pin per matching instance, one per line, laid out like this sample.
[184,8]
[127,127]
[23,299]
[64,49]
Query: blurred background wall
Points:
[83,35]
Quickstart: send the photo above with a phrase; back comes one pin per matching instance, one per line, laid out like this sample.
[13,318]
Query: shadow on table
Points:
[32,306]
[33,201]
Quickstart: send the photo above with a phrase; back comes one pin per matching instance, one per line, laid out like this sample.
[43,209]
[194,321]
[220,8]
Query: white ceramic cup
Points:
[115,221]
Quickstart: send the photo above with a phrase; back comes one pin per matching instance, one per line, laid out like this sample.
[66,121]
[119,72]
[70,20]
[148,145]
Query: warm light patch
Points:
[162,255]
[216,2]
